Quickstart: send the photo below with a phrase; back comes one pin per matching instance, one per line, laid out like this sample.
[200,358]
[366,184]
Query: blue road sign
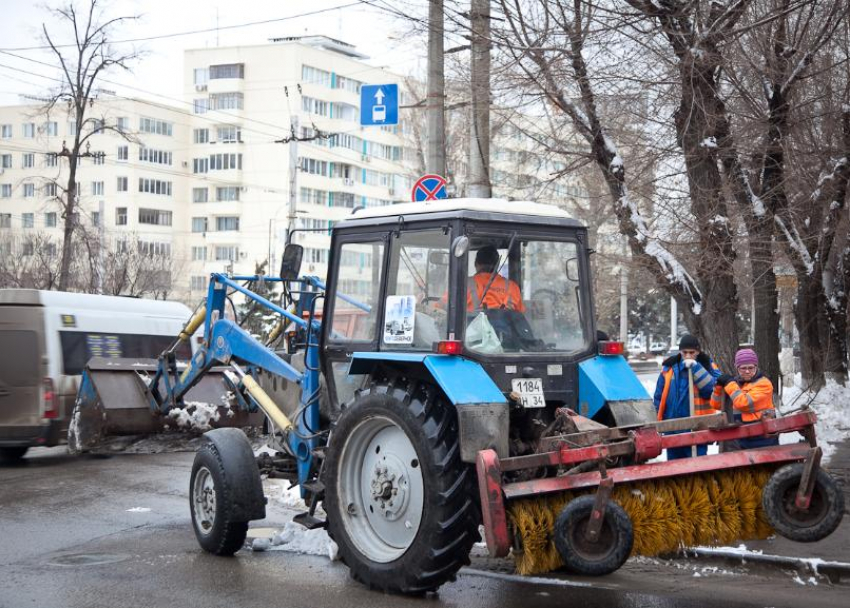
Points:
[429,188]
[378,104]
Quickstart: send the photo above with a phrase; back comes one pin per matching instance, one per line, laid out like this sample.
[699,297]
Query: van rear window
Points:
[19,361]
[80,346]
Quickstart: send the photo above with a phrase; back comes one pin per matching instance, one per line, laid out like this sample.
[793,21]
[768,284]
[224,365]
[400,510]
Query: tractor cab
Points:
[504,284]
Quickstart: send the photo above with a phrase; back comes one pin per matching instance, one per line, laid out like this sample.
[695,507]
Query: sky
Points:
[368,24]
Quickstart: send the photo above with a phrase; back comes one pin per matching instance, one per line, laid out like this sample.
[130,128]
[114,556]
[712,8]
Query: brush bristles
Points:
[708,509]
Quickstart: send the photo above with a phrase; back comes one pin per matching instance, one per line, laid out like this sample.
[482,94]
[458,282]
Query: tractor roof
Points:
[492,209]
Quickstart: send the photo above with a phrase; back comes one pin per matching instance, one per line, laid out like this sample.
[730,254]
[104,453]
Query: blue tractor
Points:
[444,329]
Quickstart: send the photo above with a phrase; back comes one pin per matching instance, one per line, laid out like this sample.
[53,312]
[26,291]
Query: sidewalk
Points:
[833,550]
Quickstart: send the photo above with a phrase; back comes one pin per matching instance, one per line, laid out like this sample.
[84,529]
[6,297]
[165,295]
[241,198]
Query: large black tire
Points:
[211,497]
[428,534]
[611,549]
[12,455]
[816,523]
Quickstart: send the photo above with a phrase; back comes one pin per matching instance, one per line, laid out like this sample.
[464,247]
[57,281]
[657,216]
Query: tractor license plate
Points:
[530,391]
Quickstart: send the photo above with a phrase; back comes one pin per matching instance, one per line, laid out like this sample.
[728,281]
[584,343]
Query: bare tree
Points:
[90,56]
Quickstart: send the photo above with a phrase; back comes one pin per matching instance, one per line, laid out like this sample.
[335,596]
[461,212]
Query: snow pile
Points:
[297,539]
[832,425]
[196,415]
[139,510]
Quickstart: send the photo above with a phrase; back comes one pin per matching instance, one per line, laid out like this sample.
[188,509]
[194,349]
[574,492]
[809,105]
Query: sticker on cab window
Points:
[399,320]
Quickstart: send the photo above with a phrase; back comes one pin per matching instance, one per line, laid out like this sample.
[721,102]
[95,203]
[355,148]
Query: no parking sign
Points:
[429,188]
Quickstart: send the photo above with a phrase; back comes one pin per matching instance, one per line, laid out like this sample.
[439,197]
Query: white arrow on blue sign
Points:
[378,104]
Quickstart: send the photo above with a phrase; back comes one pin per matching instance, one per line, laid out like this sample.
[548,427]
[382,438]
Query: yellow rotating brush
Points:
[707,509]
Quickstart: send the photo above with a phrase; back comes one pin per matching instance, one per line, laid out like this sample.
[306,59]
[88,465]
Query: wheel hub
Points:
[205,500]
[389,488]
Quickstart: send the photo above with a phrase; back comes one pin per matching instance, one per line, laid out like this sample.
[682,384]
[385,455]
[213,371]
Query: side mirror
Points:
[438,258]
[290,266]
[571,268]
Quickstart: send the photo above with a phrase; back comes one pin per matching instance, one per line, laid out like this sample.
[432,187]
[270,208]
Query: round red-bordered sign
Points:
[429,188]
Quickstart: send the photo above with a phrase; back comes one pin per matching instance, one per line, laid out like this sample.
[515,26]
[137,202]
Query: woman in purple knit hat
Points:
[751,394]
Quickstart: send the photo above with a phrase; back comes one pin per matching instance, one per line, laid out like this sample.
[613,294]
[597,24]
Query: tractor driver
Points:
[497,291]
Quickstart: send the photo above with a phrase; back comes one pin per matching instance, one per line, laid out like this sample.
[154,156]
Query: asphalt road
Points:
[116,532]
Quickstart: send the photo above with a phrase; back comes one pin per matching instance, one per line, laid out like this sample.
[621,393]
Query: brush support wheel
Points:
[805,526]
[593,558]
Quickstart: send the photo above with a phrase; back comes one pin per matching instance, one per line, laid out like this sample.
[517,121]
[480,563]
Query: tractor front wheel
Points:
[598,557]
[398,498]
[825,511]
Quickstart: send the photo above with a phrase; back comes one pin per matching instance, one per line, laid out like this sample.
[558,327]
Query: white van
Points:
[46,338]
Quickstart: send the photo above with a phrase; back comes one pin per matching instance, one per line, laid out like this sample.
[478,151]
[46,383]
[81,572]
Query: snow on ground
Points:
[294,537]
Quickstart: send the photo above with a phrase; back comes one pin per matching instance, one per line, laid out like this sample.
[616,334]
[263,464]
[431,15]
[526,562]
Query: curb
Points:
[834,571]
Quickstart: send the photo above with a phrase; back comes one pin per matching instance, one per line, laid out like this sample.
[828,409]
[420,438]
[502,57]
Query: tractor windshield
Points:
[524,295]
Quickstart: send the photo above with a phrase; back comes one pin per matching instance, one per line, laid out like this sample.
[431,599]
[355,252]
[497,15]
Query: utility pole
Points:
[436,106]
[479,143]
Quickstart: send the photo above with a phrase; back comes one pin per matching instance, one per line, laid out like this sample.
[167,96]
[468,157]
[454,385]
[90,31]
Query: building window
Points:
[226,101]
[5,161]
[152,249]
[97,188]
[158,157]
[157,127]
[315,76]
[227,70]
[199,224]
[199,254]
[344,111]
[316,256]
[49,189]
[51,160]
[229,134]
[27,220]
[315,106]
[201,136]
[29,161]
[155,217]
[122,184]
[29,130]
[122,123]
[99,159]
[121,216]
[226,223]
[5,220]
[95,218]
[51,128]
[50,220]
[29,190]
[223,162]
[313,166]
[198,283]
[201,75]
[200,195]
[123,152]
[154,186]
[226,253]
[97,125]
[201,105]
[6,131]
[200,165]
[348,84]
[72,128]
[227,193]
[310,196]
[5,190]
[27,248]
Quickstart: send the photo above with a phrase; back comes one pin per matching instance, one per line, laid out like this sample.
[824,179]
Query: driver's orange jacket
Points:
[502,292]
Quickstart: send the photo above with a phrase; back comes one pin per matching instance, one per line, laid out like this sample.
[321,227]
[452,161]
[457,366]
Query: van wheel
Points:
[11,455]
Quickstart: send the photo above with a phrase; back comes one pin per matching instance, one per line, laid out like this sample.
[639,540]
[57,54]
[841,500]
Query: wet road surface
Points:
[116,532]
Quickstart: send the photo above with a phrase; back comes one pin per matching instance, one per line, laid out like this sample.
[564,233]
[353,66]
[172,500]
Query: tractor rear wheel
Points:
[804,526]
[399,500]
[593,557]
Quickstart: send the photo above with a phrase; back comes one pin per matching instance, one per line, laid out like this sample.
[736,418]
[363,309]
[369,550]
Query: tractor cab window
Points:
[524,295]
[355,305]
[417,284]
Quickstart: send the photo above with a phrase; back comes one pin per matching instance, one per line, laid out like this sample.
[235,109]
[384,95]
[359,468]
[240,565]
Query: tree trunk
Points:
[70,217]
[765,308]
[806,312]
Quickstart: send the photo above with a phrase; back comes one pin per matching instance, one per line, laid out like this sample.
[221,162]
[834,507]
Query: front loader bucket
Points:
[114,399]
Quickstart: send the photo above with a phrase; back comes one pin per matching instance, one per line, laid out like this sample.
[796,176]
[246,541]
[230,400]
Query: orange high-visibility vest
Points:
[752,399]
[702,406]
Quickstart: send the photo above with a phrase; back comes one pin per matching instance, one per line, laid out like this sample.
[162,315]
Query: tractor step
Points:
[315,487]
[310,522]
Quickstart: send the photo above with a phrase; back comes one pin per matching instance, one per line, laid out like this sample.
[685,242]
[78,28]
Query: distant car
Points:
[658,348]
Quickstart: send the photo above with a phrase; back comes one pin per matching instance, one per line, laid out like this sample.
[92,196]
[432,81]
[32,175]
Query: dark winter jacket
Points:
[671,390]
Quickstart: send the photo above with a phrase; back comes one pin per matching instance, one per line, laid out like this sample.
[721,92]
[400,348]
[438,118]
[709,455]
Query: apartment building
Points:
[276,121]
[131,183]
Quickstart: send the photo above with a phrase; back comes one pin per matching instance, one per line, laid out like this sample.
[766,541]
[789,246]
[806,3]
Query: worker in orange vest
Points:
[501,292]
[671,391]
[751,394]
